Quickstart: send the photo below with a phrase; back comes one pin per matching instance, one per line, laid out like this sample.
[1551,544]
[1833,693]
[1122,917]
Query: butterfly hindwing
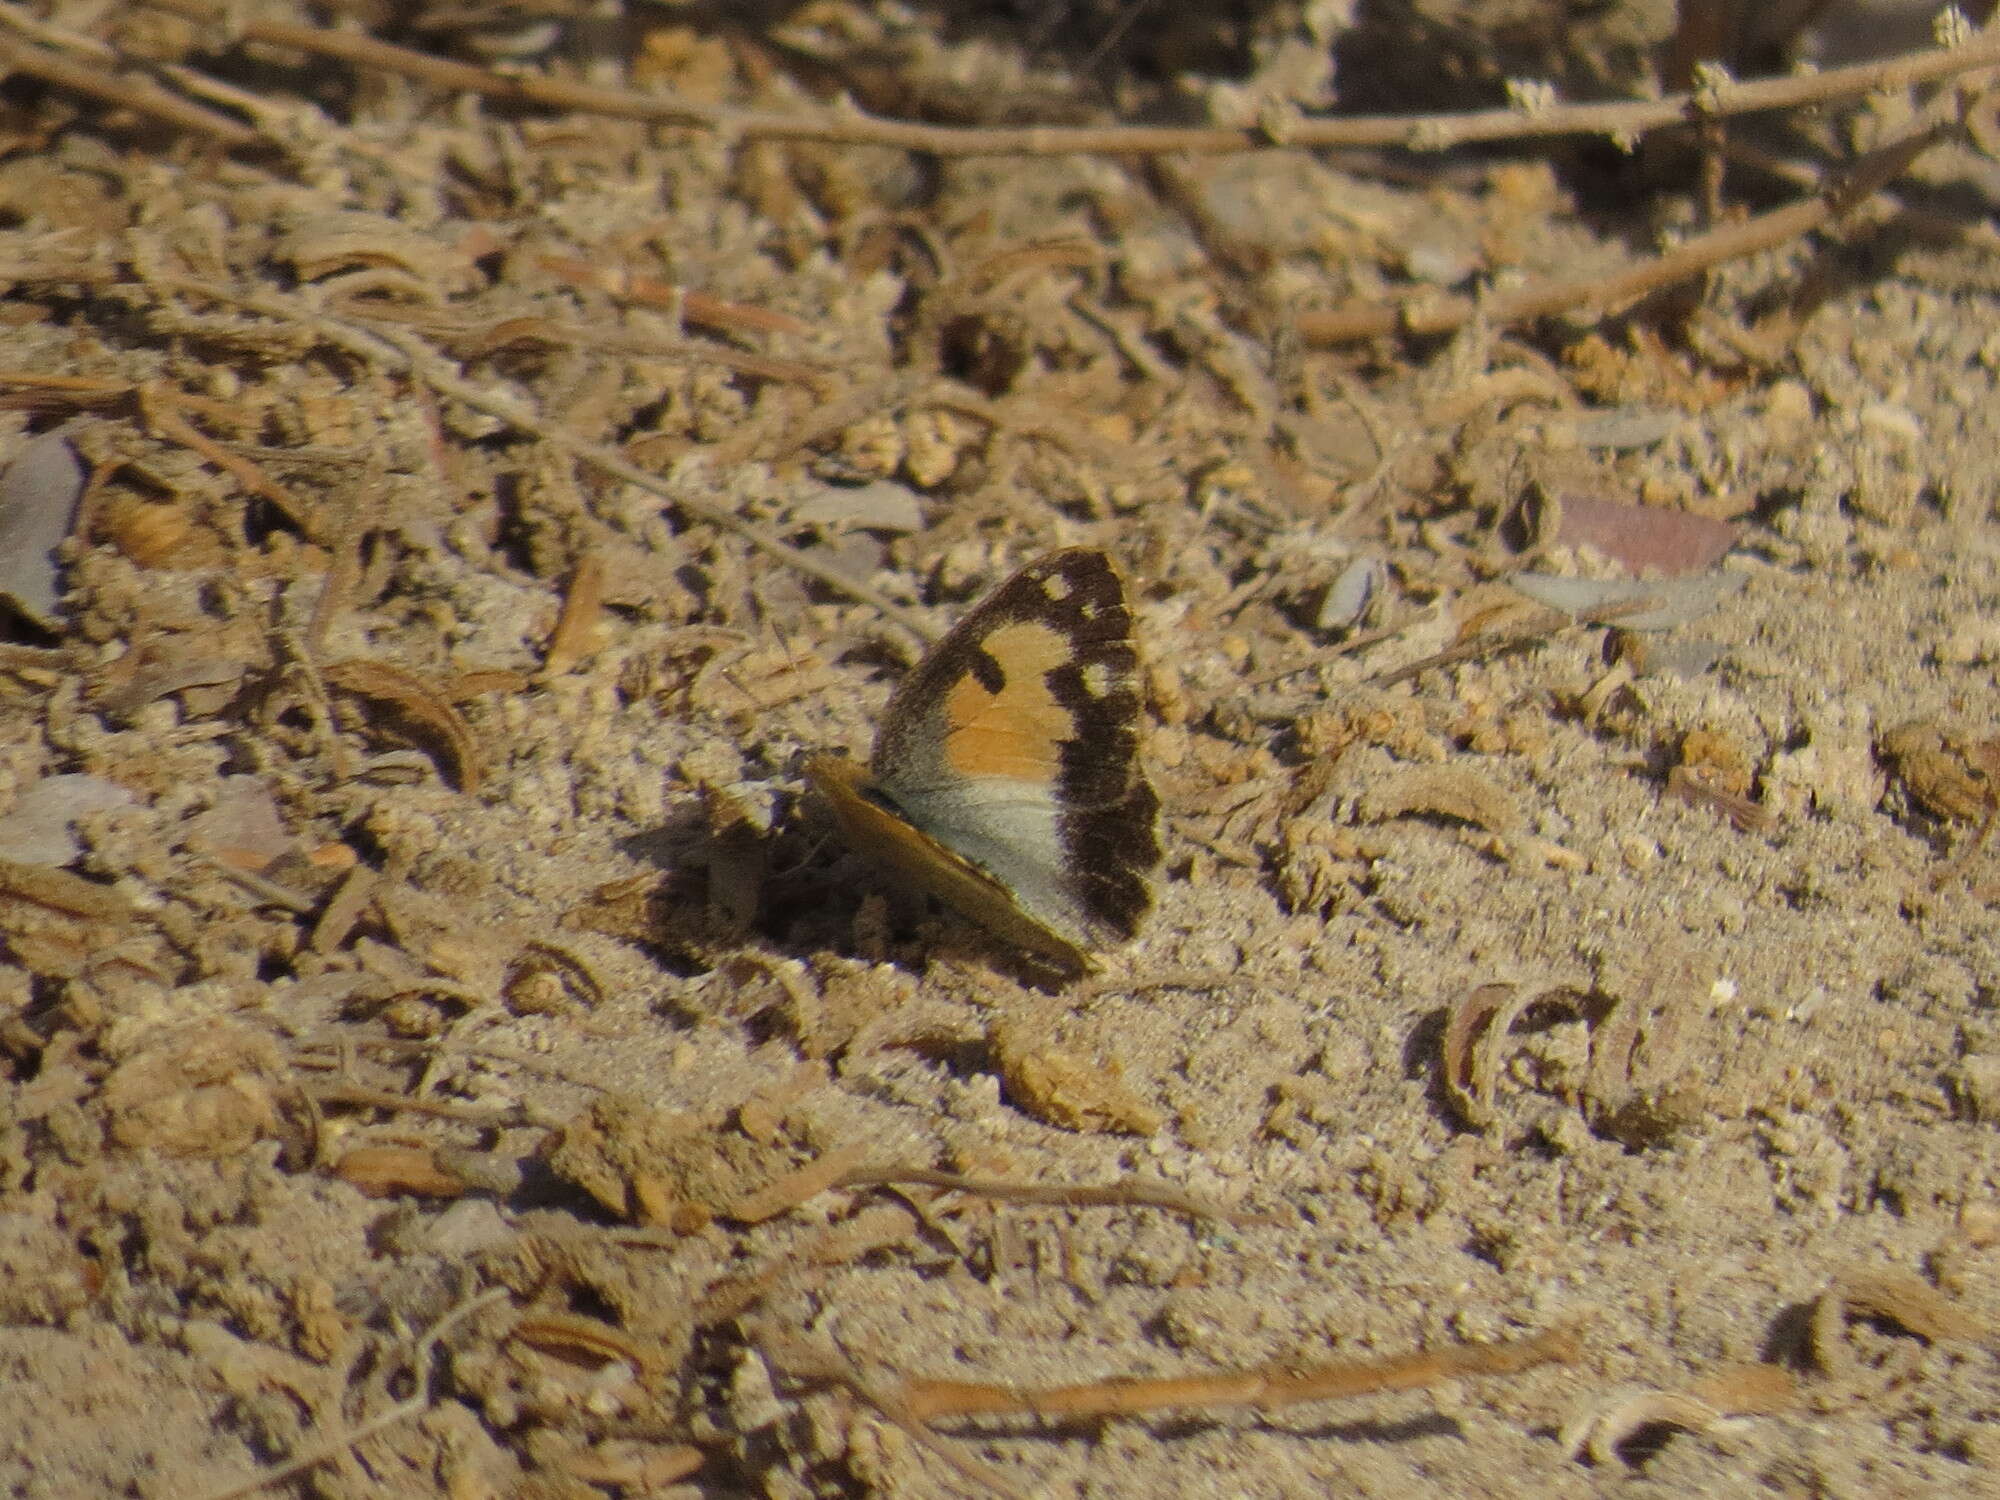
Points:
[1012,749]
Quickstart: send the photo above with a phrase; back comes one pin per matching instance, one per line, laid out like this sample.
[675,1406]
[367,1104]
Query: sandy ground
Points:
[443,1042]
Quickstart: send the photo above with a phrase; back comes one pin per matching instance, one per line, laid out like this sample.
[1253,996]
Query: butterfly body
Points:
[1005,778]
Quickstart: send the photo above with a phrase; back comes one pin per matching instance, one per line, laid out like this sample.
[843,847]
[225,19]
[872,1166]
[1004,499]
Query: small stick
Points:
[158,405]
[1062,1195]
[1618,119]
[698,308]
[1263,1390]
[124,93]
[262,887]
[444,1109]
[1429,313]
[1539,628]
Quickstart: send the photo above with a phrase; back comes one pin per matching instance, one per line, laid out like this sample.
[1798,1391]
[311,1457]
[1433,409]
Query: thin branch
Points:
[1429,313]
[1620,119]
[1132,1194]
[689,305]
[1535,629]
[361,1095]
[137,95]
[1264,1390]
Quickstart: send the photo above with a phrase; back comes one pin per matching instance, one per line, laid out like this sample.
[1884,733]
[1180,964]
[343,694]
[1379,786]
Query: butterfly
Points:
[1005,778]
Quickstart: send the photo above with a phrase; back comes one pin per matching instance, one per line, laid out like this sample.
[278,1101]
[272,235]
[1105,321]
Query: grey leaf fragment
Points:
[1626,427]
[242,821]
[1660,605]
[1687,659]
[880,506]
[39,493]
[1351,594]
[40,829]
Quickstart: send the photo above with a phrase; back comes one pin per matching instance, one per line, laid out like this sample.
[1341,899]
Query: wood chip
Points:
[392,1171]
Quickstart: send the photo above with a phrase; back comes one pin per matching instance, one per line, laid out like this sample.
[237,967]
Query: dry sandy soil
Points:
[445,1054]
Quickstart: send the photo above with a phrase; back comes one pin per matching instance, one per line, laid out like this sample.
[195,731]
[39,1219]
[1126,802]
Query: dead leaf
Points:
[391,1171]
[64,892]
[39,493]
[1660,605]
[430,713]
[1645,538]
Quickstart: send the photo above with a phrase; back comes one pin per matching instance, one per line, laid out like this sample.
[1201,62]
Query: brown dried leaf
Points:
[796,1186]
[428,711]
[627,1465]
[1644,537]
[181,676]
[344,908]
[326,244]
[469,685]
[1692,785]
[1749,1390]
[1942,769]
[1912,1305]
[576,626]
[149,532]
[1723,761]
[390,1171]
[1891,1296]
[581,1341]
[1607,1425]
[1469,1015]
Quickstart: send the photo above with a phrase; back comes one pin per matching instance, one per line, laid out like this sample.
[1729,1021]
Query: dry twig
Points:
[1621,120]
[94,80]
[1265,1390]
[1430,313]
[1131,1194]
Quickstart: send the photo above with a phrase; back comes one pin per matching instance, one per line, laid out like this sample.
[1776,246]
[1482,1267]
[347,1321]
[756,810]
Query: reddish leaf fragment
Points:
[1643,537]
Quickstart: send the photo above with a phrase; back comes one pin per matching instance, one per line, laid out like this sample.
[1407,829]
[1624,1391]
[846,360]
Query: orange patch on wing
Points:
[1018,731]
